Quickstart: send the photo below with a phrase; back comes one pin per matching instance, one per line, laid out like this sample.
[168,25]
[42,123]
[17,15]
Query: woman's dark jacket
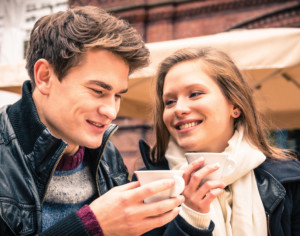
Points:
[28,157]
[279,187]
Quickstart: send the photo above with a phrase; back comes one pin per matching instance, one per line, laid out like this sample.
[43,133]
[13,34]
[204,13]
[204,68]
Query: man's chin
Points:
[93,145]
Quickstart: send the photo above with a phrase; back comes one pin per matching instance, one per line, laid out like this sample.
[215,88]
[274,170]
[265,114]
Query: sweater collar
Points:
[70,162]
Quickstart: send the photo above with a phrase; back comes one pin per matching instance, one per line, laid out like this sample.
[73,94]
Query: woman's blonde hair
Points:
[219,66]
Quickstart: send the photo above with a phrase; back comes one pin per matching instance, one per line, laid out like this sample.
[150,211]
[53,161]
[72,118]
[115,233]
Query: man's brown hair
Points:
[64,37]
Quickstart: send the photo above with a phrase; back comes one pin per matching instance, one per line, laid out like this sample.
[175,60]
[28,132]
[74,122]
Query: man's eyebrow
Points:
[105,85]
[101,84]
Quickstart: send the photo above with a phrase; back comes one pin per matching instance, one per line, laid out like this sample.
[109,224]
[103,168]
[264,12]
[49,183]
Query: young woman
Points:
[203,104]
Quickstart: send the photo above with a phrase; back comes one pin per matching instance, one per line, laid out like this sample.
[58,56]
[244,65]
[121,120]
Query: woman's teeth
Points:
[188,125]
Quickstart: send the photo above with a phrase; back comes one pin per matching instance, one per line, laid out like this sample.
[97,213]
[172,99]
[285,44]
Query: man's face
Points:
[80,107]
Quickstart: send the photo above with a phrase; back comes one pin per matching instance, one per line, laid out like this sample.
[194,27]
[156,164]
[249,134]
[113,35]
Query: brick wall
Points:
[166,20]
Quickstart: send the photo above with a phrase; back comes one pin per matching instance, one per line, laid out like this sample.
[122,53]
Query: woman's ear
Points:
[42,75]
[236,112]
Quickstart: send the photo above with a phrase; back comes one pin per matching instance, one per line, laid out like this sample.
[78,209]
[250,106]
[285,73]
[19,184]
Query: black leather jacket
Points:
[279,187]
[29,155]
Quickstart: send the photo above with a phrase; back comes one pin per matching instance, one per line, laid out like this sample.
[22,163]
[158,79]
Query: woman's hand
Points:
[199,194]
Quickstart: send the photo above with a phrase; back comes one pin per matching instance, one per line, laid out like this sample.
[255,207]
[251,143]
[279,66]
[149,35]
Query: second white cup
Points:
[227,165]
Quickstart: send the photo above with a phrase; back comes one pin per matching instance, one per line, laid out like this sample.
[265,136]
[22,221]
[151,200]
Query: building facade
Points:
[17,18]
[160,20]
[156,20]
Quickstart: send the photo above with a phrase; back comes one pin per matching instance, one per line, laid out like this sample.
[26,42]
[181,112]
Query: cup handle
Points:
[231,164]
[178,187]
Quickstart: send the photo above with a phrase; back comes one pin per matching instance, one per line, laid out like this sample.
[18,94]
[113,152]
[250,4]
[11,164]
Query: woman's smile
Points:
[186,125]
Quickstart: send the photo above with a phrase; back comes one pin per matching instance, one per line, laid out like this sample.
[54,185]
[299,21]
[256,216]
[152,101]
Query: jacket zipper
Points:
[52,172]
[97,180]
[111,133]
[268,224]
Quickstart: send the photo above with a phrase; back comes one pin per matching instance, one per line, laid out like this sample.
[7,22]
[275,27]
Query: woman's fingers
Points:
[201,199]
[212,194]
[194,166]
[200,192]
[208,199]
[204,189]
[196,180]
[209,186]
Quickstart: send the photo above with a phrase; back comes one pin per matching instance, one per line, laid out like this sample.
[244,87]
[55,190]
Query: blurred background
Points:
[262,36]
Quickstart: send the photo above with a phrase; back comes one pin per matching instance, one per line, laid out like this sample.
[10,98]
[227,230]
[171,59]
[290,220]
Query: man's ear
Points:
[43,76]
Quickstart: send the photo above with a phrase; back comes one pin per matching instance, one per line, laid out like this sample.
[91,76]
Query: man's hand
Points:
[121,210]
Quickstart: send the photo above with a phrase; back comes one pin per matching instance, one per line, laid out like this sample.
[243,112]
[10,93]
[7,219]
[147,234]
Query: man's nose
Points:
[109,108]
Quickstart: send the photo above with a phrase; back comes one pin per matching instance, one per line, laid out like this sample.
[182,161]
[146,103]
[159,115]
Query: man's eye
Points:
[97,91]
[119,96]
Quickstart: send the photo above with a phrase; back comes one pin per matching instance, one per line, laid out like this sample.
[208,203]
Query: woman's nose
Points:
[181,108]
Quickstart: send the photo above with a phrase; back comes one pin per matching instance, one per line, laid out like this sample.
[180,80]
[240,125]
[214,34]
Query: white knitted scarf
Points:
[239,211]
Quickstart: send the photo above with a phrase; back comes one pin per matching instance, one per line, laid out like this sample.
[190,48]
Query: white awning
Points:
[270,58]
[8,98]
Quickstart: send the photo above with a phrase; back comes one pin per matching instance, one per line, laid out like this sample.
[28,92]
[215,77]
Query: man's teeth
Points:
[188,125]
[98,125]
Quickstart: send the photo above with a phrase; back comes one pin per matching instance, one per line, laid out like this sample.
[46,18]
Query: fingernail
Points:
[171,182]
[200,159]
[217,165]
[181,198]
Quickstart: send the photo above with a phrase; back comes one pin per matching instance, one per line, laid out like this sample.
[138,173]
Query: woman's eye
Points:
[169,102]
[195,94]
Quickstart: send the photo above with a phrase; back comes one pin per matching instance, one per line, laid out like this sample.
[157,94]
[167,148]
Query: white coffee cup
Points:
[148,176]
[227,165]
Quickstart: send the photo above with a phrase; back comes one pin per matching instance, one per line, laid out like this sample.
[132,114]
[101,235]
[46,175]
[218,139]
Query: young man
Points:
[57,166]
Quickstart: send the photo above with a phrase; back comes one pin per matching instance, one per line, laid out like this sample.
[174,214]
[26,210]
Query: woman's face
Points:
[196,113]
